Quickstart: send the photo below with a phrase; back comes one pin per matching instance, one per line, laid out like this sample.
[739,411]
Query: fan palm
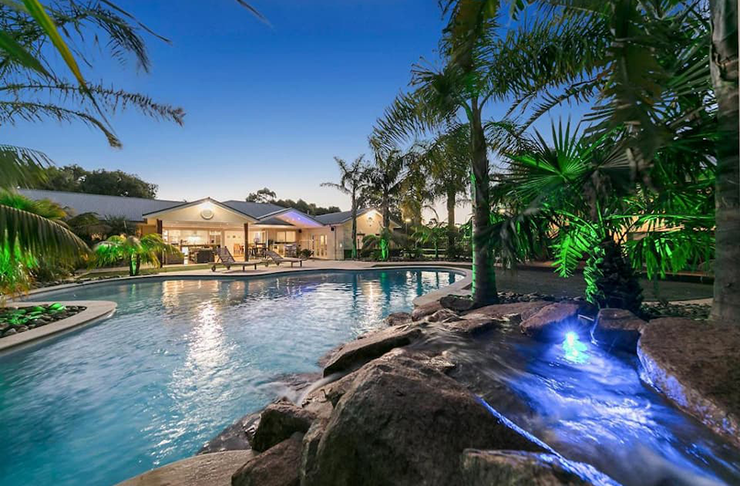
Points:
[581,187]
[432,233]
[657,69]
[382,242]
[352,178]
[133,251]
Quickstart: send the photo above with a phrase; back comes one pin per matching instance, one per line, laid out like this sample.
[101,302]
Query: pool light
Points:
[575,350]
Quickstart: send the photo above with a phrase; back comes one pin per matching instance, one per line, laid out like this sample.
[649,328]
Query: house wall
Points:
[193,213]
[370,223]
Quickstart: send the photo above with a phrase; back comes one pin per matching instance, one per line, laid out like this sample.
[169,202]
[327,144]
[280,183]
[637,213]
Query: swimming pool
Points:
[179,361]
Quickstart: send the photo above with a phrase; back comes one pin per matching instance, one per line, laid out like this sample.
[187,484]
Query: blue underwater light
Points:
[575,350]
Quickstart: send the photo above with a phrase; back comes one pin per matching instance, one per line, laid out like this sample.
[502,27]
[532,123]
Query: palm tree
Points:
[382,241]
[432,233]
[465,84]
[132,250]
[448,163]
[388,178]
[21,252]
[580,187]
[351,182]
[724,74]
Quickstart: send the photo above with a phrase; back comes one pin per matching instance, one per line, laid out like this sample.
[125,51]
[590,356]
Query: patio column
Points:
[159,232]
[246,242]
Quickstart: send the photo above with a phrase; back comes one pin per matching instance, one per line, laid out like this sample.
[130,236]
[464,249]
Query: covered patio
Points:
[201,227]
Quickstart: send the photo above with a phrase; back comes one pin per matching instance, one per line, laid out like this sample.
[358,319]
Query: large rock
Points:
[617,329]
[278,422]
[475,325]
[279,466]
[425,310]
[443,315]
[517,468]
[398,318]
[697,365]
[237,436]
[374,345]
[518,311]
[551,321]
[403,422]
[457,303]
[210,469]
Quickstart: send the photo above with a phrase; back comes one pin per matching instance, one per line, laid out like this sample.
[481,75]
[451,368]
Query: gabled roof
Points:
[340,217]
[131,208]
[199,201]
[255,210]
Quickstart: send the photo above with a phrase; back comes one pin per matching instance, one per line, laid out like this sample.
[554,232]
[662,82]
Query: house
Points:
[245,228]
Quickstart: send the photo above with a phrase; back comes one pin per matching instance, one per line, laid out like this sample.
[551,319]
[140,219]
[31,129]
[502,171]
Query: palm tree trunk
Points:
[724,70]
[451,200]
[386,211]
[484,277]
[131,269]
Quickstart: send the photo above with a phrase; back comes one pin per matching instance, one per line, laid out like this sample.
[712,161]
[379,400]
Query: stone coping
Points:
[95,309]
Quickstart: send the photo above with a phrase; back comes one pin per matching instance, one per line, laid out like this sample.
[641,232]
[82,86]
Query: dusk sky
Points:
[266,105]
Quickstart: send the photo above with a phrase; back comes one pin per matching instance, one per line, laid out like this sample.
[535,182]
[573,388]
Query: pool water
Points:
[179,361]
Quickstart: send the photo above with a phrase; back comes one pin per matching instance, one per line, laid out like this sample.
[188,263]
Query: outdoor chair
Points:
[226,259]
[275,257]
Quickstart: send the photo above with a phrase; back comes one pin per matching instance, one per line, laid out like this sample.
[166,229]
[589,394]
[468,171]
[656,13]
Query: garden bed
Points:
[14,320]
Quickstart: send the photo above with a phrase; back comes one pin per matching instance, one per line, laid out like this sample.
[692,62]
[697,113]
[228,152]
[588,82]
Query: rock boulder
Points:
[278,422]
[617,329]
[517,468]
[278,466]
[373,345]
[697,365]
[422,311]
[398,318]
[403,422]
[550,321]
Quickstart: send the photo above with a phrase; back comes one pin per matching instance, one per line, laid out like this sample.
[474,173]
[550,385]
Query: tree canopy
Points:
[265,195]
[73,178]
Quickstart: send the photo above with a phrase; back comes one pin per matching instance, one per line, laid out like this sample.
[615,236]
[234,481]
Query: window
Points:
[285,237]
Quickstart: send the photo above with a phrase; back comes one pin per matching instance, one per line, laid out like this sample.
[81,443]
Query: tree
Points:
[351,180]
[17,261]
[385,178]
[73,178]
[263,195]
[724,74]
[447,159]
[580,188]
[464,85]
[382,242]
[133,251]
[432,233]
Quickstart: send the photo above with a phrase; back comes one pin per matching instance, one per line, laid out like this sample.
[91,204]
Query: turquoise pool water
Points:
[179,361]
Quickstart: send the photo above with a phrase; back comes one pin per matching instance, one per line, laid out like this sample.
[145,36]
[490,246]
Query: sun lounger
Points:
[226,259]
[280,259]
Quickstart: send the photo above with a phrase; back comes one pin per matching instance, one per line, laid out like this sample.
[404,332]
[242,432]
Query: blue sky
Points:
[266,105]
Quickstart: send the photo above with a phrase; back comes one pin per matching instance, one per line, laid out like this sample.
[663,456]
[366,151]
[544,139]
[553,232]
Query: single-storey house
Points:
[244,228]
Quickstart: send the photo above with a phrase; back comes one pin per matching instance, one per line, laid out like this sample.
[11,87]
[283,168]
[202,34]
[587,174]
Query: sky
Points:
[266,105]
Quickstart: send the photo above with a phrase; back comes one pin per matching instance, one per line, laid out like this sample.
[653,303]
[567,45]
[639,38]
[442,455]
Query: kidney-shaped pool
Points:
[178,361]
